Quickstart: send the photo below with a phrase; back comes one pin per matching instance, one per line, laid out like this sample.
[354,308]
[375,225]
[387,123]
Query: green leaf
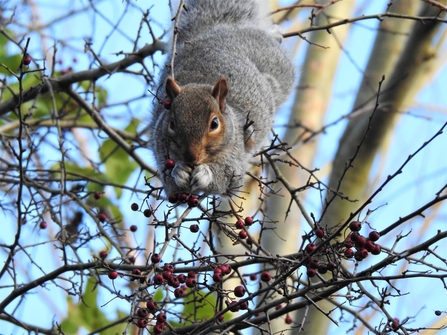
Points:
[201,307]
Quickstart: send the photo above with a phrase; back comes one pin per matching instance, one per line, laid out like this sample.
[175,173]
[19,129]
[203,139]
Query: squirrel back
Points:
[230,79]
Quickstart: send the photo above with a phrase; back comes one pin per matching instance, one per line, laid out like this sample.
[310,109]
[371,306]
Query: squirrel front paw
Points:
[181,174]
[201,178]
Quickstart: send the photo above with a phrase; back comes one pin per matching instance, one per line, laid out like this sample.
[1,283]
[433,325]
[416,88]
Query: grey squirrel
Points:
[231,76]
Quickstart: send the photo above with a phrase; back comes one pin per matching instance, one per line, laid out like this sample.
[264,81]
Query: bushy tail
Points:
[201,15]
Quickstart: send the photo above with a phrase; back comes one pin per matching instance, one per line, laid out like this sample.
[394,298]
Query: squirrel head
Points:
[196,125]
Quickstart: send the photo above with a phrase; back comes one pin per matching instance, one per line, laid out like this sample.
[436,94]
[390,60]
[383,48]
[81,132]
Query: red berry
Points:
[363,253]
[102,217]
[374,236]
[331,266]
[168,267]
[161,317]
[167,275]
[360,242]
[133,228]
[394,324]
[167,104]
[193,201]
[191,274]
[155,258]
[151,305]
[178,292]
[310,247]
[103,254]
[348,243]
[243,234]
[217,277]
[158,328]
[169,164]
[240,224]
[377,249]
[142,312]
[311,273]
[354,236]
[132,259]
[313,264]
[194,228]
[243,305]
[142,323]
[43,225]
[355,226]
[113,275]
[158,279]
[288,320]
[181,278]
[253,276]
[248,221]
[239,291]
[226,269]
[147,213]
[369,245]
[174,282]
[26,60]
[278,307]
[233,306]
[319,233]
[266,276]
[183,197]
[190,282]
[173,198]
[97,195]
[134,207]
[220,318]
[349,253]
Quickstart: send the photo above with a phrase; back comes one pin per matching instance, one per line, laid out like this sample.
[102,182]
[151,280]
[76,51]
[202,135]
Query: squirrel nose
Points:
[191,157]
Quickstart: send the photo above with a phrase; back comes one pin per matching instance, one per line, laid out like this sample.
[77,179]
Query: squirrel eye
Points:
[172,124]
[214,123]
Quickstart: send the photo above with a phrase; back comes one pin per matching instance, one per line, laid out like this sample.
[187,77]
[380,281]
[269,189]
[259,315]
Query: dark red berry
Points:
[288,320]
[349,253]
[354,236]
[319,233]
[178,293]
[136,272]
[310,248]
[167,275]
[167,104]
[102,217]
[193,201]
[313,264]
[174,282]
[355,226]
[147,213]
[142,323]
[240,224]
[97,195]
[239,291]
[151,305]
[181,278]
[377,249]
[243,234]
[363,253]
[113,275]
[220,318]
[158,328]
[266,276]
[278,307]
[394,324]
[133,228]
[142,312]
[183,197]
[248,221]
[173,198]
[311,273]
[168,267]
[158,279]
[369,245]
[348,243]
[243,305]
[233,306]
[161,317]
[253,276]
[26,60]
[134,207]
[360,242]
[132,259]
[226,269]
[217,277]
[103,254]
[331,266]
[374,236]
[169,164]
[155,258]
[194,228]
[43,225]
[190,282]
[191,274]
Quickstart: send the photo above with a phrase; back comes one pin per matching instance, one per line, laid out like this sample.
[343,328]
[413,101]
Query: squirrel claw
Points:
[181,174]
[201,178]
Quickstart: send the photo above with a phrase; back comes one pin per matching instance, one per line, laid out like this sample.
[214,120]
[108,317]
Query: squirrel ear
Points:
[172,88]
[220,92]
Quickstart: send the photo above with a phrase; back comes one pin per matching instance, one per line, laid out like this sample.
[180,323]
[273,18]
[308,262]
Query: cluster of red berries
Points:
[313,265]
[363,245]
[178,282]
[242,224]
[143,317]
[220,272]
